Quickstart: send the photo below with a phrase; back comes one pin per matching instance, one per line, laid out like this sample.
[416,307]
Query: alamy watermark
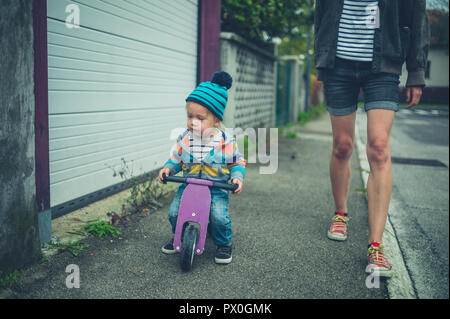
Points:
[73,280]
[254,141]
[373,279]
[73,19]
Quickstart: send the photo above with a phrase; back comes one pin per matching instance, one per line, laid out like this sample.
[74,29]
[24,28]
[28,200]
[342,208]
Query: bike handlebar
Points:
[179,179]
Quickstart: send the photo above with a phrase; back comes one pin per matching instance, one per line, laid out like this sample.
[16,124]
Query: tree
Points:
[261,21]
[438,27]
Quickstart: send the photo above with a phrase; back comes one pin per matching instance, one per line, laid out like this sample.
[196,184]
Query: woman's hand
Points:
[161,172]
[413,95]
[238,182]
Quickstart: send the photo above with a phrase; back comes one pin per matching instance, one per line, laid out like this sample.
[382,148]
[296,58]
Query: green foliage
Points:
[10,279]
[316,110]
[144,194]
[249,147]
[73,247]
[246,147]
[102,229]
[291,134]
[263,20]
[303,118]
[438,21]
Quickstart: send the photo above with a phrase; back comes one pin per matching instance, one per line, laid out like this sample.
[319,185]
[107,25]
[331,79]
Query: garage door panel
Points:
[60,136]
[159,28]
[178,63]
[120,142]
[64,138]
[77,75]
[145,156]
[87,86]
[67,143]
[152,14]
[99,178]
[168,14]
[73,101]
[89,60]
[58,33]
[107,58]
[88,66]
[173,8]
[98,15]
[157,115]
[102,156]
[117,87]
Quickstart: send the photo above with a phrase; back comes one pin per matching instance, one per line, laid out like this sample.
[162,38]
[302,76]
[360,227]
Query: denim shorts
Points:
[343,83]
[219,220]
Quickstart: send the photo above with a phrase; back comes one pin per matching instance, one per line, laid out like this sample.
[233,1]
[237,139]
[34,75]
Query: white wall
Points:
[439,69]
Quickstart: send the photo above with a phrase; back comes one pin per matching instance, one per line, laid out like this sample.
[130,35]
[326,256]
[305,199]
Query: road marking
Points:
[422,112]
[315,136]
[400,286]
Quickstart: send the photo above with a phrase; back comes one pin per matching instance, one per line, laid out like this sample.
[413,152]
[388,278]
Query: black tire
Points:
[188,247]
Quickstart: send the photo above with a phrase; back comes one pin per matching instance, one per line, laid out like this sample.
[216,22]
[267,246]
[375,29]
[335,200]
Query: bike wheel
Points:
[188,247]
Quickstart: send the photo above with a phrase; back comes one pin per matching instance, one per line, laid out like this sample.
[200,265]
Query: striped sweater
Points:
[222,163]
[356,30]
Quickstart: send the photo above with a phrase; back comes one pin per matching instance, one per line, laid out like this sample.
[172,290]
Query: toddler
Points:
[205,151]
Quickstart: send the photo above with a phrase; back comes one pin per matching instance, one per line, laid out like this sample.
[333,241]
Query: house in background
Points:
[436,74]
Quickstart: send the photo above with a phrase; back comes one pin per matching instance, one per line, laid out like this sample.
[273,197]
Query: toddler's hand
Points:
[161,172]
[239,189]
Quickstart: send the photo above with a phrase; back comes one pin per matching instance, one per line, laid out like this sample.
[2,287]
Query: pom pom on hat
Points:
[213,94]
[222,78]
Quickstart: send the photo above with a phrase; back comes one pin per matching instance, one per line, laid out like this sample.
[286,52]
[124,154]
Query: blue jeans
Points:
[343,83]
[219,221]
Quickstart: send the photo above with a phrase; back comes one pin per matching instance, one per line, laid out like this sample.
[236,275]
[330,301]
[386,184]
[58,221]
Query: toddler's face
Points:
[200,120]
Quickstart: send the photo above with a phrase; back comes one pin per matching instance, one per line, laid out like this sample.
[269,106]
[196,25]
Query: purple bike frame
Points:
[194,207]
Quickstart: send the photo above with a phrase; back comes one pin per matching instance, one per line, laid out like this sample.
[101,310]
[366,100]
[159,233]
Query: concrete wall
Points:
[251,101]
[19,235]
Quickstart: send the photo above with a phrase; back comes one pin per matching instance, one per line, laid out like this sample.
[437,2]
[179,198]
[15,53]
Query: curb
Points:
[400,286]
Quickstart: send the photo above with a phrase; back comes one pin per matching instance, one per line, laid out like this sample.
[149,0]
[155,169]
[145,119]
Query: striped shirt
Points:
[222,163]
[356,30]
[200,147]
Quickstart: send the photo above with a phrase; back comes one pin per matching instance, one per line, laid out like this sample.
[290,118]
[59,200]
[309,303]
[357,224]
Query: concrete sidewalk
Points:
[280,247]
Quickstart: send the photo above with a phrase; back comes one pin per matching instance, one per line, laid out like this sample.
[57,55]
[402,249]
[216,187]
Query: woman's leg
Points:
[343,128]
[379,184]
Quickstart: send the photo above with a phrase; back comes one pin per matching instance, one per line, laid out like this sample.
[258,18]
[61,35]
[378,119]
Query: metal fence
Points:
[252,97]
[290,90]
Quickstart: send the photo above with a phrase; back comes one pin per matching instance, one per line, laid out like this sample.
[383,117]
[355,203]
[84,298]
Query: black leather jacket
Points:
[403,35]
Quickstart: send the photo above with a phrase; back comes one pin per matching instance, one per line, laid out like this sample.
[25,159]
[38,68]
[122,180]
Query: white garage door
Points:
[117,87]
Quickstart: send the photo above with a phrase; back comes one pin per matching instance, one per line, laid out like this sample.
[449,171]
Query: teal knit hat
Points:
[213,94]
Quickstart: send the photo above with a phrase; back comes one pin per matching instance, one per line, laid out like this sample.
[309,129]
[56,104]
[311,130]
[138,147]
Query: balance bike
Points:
[194,210]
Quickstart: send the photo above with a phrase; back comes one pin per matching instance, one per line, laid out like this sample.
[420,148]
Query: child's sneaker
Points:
[168,248]
[378,261]
[223,254]
[338,228]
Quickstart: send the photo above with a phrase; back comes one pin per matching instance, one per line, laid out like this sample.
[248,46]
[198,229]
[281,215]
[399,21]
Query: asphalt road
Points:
[421,217]
[280,249]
